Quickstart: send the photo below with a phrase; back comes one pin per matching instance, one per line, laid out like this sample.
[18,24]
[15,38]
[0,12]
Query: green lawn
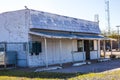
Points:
[21,75]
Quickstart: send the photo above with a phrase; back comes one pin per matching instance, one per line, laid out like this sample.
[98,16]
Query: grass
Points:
[25,75]
[22,75]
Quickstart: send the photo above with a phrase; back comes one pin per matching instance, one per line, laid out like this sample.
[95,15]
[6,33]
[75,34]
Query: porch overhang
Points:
[110,39]
[67,35]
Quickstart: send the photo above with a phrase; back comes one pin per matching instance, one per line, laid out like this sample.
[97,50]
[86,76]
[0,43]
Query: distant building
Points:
[51,38]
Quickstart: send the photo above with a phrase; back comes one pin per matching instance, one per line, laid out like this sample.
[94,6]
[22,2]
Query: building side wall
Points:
[14,28]
[21,49]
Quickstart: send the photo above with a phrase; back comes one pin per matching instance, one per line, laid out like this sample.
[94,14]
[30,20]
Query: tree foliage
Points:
[113,34]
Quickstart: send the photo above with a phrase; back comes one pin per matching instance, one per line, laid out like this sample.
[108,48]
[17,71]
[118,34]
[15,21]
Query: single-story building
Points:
[50,38]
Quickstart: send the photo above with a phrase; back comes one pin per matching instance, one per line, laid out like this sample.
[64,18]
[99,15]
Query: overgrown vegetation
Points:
[21,75]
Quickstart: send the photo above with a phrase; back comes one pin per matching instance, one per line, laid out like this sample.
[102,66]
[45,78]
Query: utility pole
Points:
[96,18]
[107,10]
[118,38]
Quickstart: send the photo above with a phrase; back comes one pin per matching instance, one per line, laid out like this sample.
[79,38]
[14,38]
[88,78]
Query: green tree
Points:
[113,34]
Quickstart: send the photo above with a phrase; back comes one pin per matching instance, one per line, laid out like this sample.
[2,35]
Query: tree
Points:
[113,34]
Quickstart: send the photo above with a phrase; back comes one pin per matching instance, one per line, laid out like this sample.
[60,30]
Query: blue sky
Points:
[83,9]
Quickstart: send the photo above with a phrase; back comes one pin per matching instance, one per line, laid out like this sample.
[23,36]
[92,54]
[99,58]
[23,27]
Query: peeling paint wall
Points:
[14,27]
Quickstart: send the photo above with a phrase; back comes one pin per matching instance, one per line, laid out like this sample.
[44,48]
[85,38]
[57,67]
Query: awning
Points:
[111,39]
[66,35]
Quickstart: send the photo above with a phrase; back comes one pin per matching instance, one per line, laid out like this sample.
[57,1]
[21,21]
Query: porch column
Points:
[83,51]
[60,52]
[111,46]
[46,52]
[72,51]
[104,50]
[98,48]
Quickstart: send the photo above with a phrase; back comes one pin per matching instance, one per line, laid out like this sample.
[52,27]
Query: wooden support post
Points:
[104,50]
[60,52]
[72,51]
[111,46]
[98,48]
[46,54]
[83,51]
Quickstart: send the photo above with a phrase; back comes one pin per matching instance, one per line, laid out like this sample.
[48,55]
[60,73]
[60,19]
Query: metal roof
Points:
[44,20]
[66,35]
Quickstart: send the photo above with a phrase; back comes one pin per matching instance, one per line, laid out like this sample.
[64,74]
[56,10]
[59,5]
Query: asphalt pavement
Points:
[92,68]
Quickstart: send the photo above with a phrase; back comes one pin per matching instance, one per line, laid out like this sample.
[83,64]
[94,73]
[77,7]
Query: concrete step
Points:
[49,68]
[104,59]
[79,64]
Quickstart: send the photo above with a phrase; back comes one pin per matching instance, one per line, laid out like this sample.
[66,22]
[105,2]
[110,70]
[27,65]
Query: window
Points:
[35,48]
[91,43]
[80,45]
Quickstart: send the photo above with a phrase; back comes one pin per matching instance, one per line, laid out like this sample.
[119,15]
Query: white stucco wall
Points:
[14,27]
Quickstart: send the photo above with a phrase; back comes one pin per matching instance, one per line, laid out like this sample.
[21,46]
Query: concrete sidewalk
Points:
[96,67]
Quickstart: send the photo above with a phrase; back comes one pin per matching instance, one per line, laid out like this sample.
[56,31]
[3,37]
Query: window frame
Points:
[33,47]
[80,46]
[91,45]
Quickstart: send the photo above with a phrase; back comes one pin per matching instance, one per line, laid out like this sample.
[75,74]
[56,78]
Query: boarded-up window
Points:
[35,48]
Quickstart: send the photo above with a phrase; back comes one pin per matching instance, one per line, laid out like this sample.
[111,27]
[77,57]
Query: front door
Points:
[87,49]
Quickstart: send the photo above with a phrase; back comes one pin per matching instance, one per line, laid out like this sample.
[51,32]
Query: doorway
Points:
[87,49]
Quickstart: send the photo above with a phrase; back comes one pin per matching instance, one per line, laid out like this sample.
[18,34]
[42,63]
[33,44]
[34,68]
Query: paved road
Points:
[96,67]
